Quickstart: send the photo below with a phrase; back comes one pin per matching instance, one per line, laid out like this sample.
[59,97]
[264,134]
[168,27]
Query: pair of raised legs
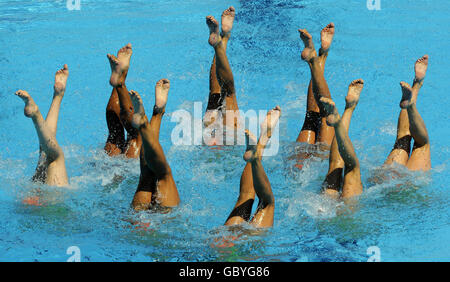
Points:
[343,177]
[119,110]
[315,129]
[51,168]
[411,126]
[156,186]
[222,93]
[125,110]
[254,179]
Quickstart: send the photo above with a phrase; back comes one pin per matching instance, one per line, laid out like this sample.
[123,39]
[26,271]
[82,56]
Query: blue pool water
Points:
[407,218]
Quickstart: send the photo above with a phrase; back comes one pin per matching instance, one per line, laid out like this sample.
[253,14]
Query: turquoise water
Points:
[407,218]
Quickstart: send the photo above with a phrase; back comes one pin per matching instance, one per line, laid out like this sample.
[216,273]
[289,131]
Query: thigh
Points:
[146,188]
[263,217]
[352,185]
[166,192]
[420,158]
[400,152]
[397,156]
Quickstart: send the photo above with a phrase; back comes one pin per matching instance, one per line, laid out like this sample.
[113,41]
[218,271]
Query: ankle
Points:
[158,111]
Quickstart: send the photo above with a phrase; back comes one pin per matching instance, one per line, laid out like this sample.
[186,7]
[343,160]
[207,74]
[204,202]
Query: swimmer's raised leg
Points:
[319,84]
[334,181]
[258,178]
[59,89]
[402,145]
[352,184]
[216,100]
[152,154]
[119,70]
[313,121]
[420,158]
[223,69]
[243,208]
[115,144]
[55,169]
[266,206]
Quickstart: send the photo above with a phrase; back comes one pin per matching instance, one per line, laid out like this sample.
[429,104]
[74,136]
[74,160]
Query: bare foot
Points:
[120,65]
[309,52]
[421,68]
[407,96]
[227,20]
[161,92]
[214,36]
[332,113]
[268,125]
[61,80]
[31,109]
[139,117]
[326,36]
[255,149]
[354,91]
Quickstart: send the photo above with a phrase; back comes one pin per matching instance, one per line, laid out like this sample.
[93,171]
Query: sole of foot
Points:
[332,113]
[326,37]
[161,93]
[420,68]
[354,92]
[30,106]
[227,20]
[119,65]
[61,80]
[214,36]
[309,52]
[139,117]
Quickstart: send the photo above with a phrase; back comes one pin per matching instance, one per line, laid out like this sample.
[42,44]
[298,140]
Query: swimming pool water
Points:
[406,218]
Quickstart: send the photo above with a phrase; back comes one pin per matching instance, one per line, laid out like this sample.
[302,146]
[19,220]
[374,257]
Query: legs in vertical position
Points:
[115,144]
[315,127]
[119,111]
[216,99]
[420,158]
[342,154]
[222,66]
[51,169]
[319,85]
[254,179]
[156,185]
[411,125]
[402,145]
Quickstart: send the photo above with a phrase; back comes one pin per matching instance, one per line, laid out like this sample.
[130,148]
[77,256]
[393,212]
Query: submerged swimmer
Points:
[254,179]
[411,126]
[222,94]
[344,177]
[51,168]
[119,110]
[343,159]
[315,129]
[156,186]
